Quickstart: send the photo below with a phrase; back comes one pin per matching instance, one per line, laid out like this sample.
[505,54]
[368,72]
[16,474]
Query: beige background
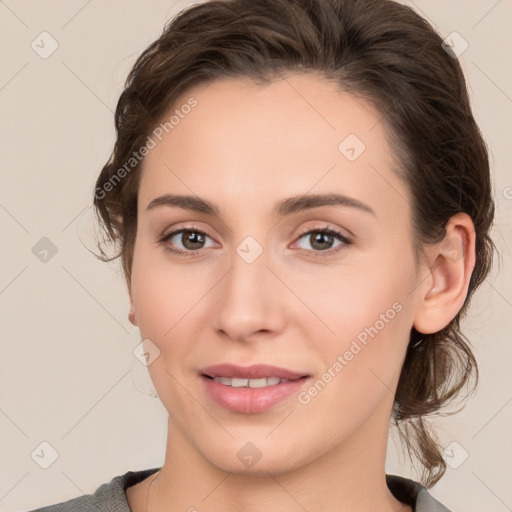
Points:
[66,347]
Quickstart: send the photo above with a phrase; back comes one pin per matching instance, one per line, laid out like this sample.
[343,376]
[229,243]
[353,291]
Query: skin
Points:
[244,148]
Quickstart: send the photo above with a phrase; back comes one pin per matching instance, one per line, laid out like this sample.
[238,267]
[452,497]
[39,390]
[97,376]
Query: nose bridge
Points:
[247,301]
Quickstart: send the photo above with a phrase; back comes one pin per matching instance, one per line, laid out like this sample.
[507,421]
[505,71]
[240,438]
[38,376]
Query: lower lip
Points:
[251,400]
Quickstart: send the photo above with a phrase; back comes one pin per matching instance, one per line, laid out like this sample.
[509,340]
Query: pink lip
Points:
[256,371]
[251,400]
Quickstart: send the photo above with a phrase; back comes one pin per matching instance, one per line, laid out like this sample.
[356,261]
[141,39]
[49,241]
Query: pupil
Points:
[193,238]
[319,237]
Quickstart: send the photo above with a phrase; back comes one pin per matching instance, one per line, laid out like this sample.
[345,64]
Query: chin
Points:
[246,458]
[262,468]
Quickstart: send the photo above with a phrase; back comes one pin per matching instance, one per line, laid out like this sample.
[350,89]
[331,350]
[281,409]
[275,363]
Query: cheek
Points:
[373,298]
[370,314]
[164,305]
[160,292]
[171,305]
[357,302]
[361,367]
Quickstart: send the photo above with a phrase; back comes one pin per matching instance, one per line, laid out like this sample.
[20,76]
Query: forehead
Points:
[296,135]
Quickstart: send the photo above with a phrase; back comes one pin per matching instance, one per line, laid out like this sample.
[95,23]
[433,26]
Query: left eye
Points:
[319,238]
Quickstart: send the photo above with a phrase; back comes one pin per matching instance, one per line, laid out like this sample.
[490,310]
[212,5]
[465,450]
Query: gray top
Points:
[111,497]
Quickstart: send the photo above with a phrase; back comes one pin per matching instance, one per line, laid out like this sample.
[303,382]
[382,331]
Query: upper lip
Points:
[255,371]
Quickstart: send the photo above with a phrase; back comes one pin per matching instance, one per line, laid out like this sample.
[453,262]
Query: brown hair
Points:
[378,50]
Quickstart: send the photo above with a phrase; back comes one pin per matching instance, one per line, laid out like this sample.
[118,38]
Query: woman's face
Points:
[258,283]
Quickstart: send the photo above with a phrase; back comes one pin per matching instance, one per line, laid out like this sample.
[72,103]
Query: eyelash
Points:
[325,230]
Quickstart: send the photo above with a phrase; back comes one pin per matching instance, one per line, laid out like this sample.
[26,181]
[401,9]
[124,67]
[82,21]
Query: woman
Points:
[301,198]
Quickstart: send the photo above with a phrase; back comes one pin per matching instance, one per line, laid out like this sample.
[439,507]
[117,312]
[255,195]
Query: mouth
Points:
[252,389]
[237,382]
[255,371]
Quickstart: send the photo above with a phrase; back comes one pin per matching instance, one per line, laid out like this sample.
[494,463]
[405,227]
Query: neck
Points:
[352,476]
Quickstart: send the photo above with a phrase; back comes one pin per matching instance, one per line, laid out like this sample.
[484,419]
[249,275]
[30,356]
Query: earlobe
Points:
[131,312]
[131,315]
[452,263]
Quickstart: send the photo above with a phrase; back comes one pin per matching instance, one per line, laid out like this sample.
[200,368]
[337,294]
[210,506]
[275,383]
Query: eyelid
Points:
[188,227]
[349,237]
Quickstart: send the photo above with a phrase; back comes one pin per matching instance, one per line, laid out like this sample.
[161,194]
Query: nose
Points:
[250,300]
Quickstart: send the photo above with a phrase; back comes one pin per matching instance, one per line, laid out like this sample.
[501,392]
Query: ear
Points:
[131,313]
[451,263]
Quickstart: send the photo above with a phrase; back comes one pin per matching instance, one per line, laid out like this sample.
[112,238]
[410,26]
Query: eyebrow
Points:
[282,208]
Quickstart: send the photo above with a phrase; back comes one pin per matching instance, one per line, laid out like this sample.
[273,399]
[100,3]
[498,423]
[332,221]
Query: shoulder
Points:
[109,496]
[414,494]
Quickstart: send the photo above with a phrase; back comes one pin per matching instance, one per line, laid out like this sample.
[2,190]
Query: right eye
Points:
[191,239]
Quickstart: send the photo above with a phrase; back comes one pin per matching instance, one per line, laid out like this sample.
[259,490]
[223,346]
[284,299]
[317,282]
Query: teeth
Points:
[251,383]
